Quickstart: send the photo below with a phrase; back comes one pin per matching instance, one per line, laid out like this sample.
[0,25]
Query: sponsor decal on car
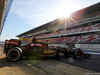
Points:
[11,42]
[35,45]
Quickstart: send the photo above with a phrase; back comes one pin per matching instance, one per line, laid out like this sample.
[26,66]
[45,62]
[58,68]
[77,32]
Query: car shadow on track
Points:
[91,63]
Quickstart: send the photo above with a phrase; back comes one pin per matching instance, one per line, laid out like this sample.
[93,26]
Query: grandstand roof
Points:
[4,9]
[77,16]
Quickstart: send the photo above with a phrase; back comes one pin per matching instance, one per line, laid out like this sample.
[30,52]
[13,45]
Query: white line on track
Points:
[93,53]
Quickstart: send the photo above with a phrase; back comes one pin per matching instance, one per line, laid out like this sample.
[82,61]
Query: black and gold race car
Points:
[14,50]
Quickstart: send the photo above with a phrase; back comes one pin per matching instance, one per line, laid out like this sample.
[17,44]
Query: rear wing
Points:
[11,44]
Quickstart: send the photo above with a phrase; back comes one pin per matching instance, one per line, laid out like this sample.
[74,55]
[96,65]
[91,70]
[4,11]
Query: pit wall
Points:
[87,46]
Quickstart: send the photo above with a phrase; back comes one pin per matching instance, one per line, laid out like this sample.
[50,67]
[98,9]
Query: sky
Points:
[25,15]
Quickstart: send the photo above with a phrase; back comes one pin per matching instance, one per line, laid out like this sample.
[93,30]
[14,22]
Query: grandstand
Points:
[81,29]
[4,9]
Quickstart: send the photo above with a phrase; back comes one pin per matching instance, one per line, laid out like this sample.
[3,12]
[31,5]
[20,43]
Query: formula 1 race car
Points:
[14,50]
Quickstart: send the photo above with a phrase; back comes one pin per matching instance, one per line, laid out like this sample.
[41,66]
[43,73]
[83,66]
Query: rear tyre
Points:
[13,54]
[79,54]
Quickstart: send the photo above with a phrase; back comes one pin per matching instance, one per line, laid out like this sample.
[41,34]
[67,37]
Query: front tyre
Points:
[79,54]
[13,54]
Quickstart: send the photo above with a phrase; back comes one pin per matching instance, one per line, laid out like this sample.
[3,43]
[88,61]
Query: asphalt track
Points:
[51,66]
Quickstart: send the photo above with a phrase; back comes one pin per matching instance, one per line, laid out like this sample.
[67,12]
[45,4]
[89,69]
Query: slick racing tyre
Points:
[79,54]
[13,54]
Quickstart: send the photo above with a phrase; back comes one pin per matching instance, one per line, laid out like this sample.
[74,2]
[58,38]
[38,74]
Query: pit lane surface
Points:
[51,66]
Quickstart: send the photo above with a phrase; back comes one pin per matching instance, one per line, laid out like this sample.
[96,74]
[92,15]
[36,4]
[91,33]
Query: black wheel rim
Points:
[79,54]
[13,54]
